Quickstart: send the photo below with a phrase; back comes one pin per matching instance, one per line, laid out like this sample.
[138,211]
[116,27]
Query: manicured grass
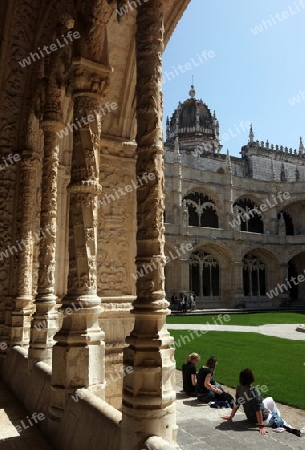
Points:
[242,319]
[277,363]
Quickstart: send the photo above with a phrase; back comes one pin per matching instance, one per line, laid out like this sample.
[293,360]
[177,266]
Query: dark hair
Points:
[246,377]
[211,362]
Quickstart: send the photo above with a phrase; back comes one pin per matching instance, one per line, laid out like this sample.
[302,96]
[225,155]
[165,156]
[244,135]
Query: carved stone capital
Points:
[29,163]
[84,105]
[50,100]
[85,187]
[90,77]
[52,125]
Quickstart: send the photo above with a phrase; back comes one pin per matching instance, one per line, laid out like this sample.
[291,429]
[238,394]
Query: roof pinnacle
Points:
[251,134]
[301,148]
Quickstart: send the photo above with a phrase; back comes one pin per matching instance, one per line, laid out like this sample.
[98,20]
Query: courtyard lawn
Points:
[277,363]
[242,319]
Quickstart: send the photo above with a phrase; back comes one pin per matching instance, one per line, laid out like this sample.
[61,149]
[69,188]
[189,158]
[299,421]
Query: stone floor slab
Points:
[11,415]
[202,427]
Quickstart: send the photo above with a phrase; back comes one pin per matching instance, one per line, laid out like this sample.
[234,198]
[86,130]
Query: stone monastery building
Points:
[243,218]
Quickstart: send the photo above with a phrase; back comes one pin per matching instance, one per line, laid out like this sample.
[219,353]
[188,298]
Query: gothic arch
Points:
[294,216]
[220,270]
[249,215]
[296,277]
[253,198]
[202,211]
[204,275]
[258,282]
[294,252]
[254,276]
[267,255]
[221,252]
[204,189]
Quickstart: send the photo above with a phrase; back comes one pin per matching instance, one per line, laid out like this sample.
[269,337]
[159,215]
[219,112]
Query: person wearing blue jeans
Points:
[258,410]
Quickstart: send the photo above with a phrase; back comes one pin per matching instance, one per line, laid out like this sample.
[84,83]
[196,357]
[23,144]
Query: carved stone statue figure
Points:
[282,225]
[185,215]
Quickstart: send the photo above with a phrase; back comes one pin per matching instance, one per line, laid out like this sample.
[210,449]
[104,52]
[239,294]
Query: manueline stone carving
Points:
[150,307]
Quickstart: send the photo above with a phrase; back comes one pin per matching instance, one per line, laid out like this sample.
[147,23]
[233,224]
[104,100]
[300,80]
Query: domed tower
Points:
[194,125]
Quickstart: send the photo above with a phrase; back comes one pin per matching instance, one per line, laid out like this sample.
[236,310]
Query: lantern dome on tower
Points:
[194,125]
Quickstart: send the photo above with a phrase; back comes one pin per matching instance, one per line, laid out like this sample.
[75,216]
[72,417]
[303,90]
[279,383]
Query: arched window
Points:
[204,275]
[202,210]
[254,273]
[249,215]
[295,285]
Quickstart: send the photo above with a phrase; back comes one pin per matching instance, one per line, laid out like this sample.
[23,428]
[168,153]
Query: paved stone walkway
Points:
[201,427]
[286,331]
[11,415]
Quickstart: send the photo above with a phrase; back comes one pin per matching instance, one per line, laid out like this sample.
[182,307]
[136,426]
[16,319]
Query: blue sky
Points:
[251,74]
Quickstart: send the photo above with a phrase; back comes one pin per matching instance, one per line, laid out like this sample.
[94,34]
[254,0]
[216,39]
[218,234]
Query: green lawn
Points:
[277,363]
[242,319]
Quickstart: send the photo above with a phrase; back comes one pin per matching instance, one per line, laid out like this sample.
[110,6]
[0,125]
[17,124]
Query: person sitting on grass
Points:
[258,410]
[206,386]
[189,374]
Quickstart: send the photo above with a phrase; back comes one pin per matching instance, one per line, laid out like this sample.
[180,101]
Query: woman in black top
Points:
[189,374]
[206,388]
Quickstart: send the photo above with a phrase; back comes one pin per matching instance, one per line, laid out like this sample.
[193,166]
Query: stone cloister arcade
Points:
[202,211]
[243,244]
[219,280]
[208,274]
[81,113]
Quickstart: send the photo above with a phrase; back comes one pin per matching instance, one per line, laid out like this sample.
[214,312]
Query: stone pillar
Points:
[22,305]
[283,296]
[116,321]
[78,356]
[184,265]
[239,284]
[148,392]
[271,217]
[44,323]
[197,259]
[116,256]
[62,256]
[228,215]
[200,263]
[176,195]
[173,276]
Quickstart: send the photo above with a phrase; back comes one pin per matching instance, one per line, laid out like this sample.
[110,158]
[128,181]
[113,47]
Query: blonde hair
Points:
[192,356]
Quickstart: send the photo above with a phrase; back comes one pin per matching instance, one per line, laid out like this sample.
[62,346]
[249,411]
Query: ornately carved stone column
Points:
[148,393]
[116,256]
[44,322]
[78,356]
[22,305]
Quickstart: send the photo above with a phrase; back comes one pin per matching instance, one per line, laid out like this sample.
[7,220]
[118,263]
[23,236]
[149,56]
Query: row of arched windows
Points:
[202,212]
[205,276]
